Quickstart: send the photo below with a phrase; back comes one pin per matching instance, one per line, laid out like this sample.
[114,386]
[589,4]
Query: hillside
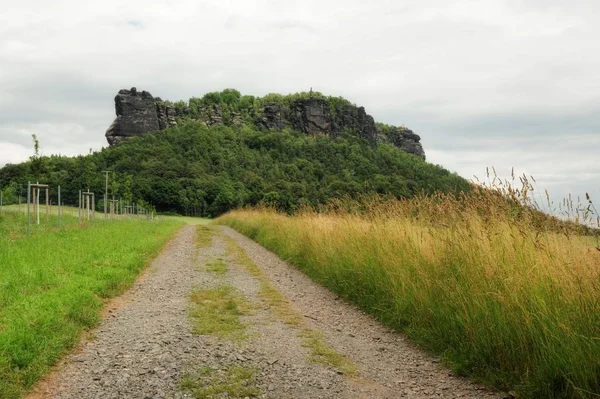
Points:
[194,167]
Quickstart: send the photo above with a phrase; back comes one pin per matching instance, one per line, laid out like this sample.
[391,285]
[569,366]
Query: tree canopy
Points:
[196,169]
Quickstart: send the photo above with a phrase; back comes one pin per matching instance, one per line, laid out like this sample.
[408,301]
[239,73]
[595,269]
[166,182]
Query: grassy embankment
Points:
[53,285]
[501,292]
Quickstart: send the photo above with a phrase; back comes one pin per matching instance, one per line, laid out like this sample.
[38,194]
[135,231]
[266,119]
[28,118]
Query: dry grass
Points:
[505,293]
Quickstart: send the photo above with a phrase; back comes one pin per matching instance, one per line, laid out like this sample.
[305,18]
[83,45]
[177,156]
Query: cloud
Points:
[503,83]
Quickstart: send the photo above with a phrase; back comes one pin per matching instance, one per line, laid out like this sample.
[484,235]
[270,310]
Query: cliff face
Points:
[140,113]
[403,138]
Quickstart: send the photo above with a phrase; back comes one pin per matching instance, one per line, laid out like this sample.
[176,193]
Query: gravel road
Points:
[145,345]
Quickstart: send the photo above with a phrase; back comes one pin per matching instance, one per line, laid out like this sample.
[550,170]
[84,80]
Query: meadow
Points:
[500,291]
[54,283]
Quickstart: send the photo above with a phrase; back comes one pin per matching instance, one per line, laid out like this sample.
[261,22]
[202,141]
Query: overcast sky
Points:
[484,82]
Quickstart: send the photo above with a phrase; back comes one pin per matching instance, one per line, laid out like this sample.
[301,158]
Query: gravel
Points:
[144,346]
[389,366]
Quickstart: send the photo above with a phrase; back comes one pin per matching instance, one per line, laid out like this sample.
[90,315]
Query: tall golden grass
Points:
[505,293]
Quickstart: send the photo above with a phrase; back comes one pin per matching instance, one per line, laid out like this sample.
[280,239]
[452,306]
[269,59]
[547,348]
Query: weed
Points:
[230,382]
[323,353]
[217,266]
[204,235]
[217,312]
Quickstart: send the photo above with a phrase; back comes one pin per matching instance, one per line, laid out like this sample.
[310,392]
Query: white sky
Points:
[484,82]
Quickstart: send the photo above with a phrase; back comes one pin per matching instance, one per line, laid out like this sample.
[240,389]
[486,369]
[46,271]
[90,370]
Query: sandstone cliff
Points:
[140,113]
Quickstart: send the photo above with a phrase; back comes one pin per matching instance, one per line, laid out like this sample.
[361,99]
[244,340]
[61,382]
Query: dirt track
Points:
[145,346]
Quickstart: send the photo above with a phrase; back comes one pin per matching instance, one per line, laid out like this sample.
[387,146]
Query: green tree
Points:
[36,162]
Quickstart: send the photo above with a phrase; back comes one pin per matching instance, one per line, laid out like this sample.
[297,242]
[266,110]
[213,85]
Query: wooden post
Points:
[59,207]
[47,204]
[33,202]
[106,193]
[28,201]
[37,204]
[79,210]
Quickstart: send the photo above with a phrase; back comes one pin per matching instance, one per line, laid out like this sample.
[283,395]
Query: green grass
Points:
[217,312]
[217,266]
[324,354]
[54,283]
[186,219]
[230,382]
[204,235]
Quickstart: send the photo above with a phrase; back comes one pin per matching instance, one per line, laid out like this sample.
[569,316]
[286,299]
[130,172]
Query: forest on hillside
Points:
[197,169]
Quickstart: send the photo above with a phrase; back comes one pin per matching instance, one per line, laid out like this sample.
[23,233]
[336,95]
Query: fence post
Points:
[28,200]
[59,207]
[47,204]
[79,210]
[37,204]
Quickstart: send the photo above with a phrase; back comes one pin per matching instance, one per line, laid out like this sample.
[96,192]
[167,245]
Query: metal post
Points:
[28,200]
[93,207]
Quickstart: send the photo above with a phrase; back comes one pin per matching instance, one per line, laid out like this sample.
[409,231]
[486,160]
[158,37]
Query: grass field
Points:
[186,219]
[505,295]
[53,285]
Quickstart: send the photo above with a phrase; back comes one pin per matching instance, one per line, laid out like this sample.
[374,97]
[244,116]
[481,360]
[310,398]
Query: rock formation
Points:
[403,138]
[140,113]
[274,117]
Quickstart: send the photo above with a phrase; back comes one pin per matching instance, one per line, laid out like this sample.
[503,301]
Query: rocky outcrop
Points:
[273,117]
[356,118]
[403,138]
[138,113]
[165,113]
[313,116]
